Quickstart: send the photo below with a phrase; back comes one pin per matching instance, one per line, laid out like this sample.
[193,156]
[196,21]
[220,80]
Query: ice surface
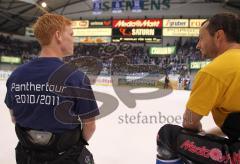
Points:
[126,136]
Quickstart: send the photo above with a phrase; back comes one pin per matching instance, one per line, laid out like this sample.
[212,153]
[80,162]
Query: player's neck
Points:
[48,51]
[228,47]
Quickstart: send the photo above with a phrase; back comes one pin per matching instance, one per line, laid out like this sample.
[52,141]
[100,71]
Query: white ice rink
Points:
[117,140]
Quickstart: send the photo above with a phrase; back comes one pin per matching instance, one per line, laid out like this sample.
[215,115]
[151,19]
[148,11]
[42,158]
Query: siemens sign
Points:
[117,6]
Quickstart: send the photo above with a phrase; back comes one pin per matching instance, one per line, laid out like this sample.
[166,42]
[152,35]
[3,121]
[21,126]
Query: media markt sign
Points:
[141,23]
[100,6]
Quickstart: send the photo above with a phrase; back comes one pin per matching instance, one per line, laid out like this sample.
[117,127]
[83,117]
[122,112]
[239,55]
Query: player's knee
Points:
[168,133]
[166,142]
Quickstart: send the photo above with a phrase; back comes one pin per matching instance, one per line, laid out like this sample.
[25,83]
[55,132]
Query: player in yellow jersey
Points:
[216,89]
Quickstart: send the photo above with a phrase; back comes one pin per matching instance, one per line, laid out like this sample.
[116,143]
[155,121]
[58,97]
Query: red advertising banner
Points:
[100,23]
[141,23]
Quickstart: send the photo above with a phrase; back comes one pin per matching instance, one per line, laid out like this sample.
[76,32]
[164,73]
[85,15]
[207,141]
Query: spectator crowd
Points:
[136,57]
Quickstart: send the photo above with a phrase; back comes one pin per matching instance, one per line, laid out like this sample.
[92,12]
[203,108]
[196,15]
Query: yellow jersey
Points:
[216,87]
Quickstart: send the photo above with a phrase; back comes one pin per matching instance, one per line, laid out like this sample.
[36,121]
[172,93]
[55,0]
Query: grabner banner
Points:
[175,22]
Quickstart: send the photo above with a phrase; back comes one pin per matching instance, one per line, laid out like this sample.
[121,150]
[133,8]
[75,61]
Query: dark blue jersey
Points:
[33,99]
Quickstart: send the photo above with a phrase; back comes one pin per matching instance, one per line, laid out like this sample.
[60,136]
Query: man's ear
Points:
[58,36]
[220,35]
